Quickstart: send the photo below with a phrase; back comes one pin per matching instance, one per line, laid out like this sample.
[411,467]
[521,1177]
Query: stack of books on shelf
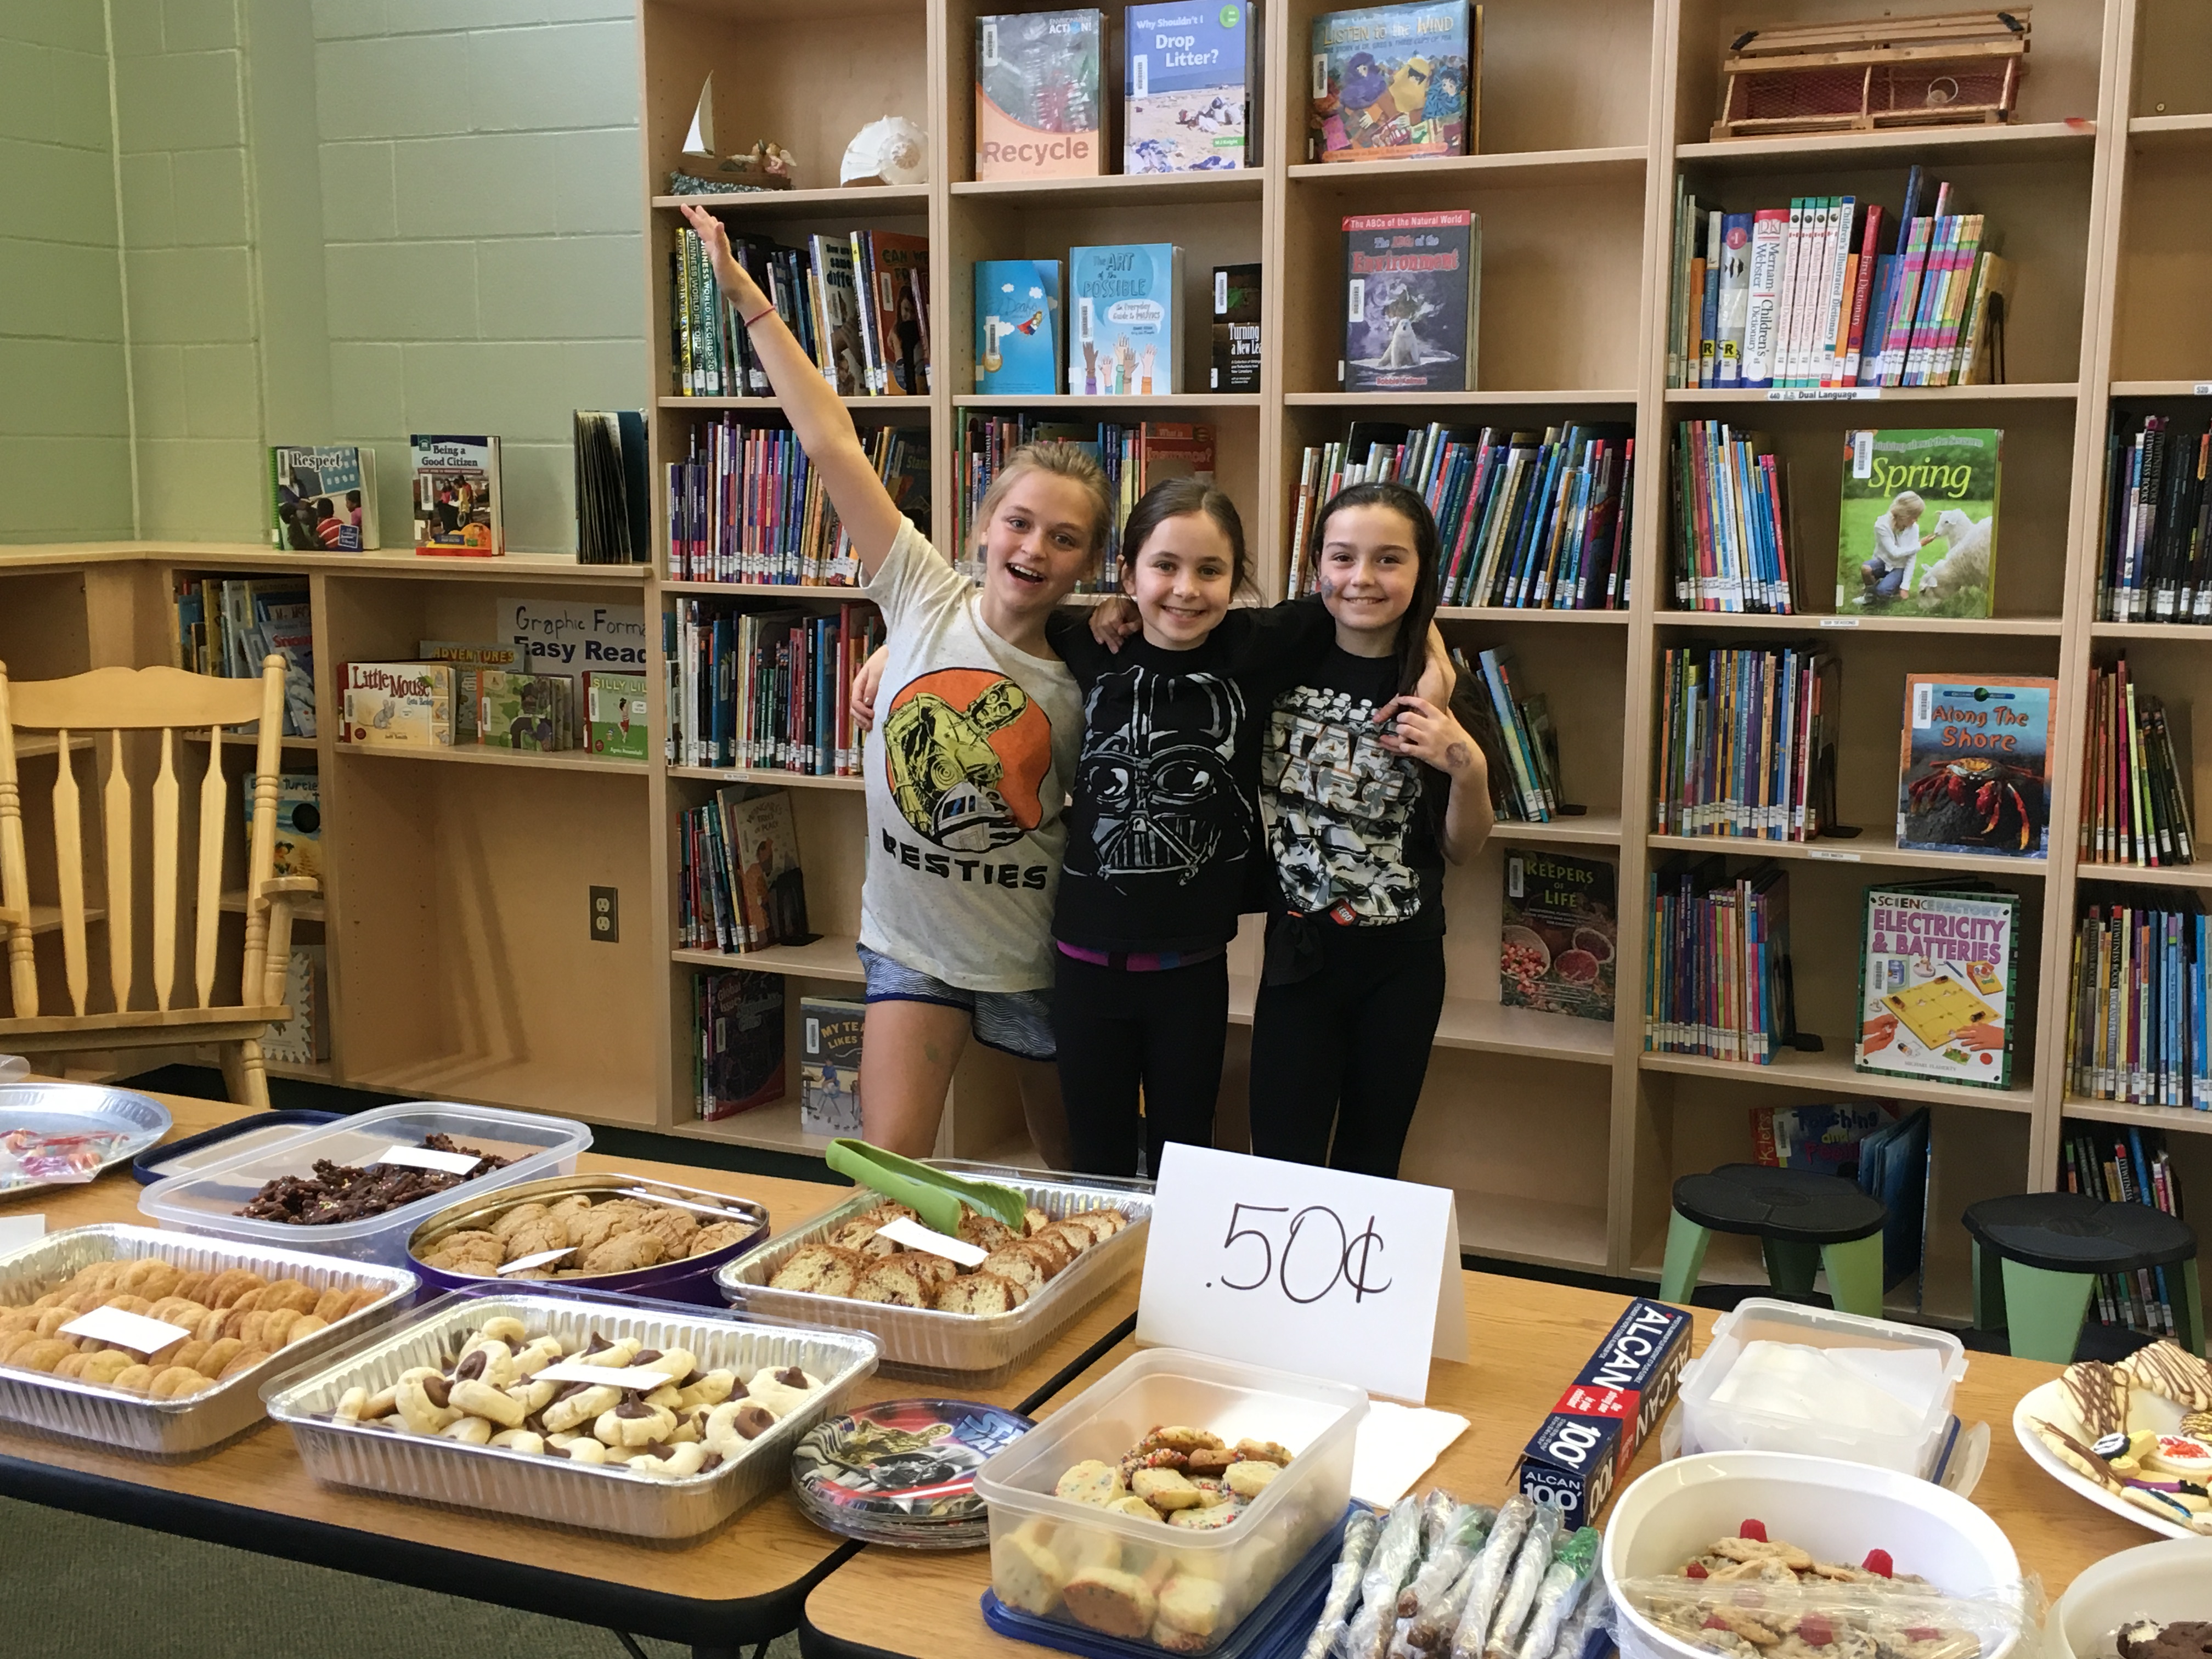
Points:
[1829,292]
[1527,520]
[459,694]
[2135,803]
[2136,1029]
[1526,789]
[1938,972]
[737,1032]
[858,303]
[746,505]
[770,690]
[1718,961]
[1747,741]
[226,625]
[740,887]
[2157,565]
[1732,546]
[2128,1166]
[1135,457]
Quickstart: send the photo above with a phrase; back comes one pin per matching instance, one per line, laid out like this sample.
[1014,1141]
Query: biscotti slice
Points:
[979,1293]
[821,1269]
[897,1281]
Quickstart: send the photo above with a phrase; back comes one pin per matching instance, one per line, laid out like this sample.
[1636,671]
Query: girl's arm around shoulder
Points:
[1433,735]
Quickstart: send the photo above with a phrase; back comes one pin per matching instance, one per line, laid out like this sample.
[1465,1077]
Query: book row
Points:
[1134,457]
[739,886]
[464,694]
[2157,566]
[1805,296]
[226,625]
[1527,520]
[770,690]
[2137,1027]
[745,505]
[858,303]
[1717,968]
[1526,790]
[1747,741]
[738,1053]
[2135,807]
[2127,1166]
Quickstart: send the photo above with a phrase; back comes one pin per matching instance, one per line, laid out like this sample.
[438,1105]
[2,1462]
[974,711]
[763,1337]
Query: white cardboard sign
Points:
[425,1158]
[16,1230]
[125,1330]
[911,1233]
[1304,1269]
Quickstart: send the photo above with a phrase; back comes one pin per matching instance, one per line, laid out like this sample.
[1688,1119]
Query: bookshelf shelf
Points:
[1514,1227]
[2152,133]
[1876,848]
[477,755]
[1488,1028]
[2011,143]
[1355,401]
[1591,831]
[319,1072]
[765,590]
[1222,400]
[2185,875]
[1834,1072]
[2186,1119]
[829,958]
[1508,613]
[765,775]
[1819,622]
[1847,399]
[771,1128]
[893,407]
[1128,191]
[869,201]
[302,909]
[1612,162]
[2160,388]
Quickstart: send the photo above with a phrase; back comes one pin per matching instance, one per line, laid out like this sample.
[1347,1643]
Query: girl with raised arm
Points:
[977,728]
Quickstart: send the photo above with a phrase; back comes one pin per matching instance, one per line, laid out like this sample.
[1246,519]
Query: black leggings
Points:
[1118,1031]
[1347,1048]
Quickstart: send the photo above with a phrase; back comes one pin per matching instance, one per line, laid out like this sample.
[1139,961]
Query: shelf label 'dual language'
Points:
[1824,394]
[1312,1270]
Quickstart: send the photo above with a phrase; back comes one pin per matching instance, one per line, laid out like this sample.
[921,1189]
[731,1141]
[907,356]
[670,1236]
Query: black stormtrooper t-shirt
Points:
[1350,826]
[1162,828]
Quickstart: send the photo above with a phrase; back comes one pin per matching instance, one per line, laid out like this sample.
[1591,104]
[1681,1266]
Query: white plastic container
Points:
[207,1201]
[1318,1421]
[2164,1582]
[1708,1425]
[1839,1510]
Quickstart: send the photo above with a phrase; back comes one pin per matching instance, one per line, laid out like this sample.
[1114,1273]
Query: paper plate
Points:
[80,1108]
[902,1467]
[2145,1411]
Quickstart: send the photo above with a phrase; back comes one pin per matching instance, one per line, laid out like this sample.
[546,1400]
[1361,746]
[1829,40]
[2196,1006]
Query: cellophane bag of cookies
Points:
[1817,1617]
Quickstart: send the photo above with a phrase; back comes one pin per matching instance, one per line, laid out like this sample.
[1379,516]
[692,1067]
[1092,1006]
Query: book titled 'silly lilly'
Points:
[1124,332]
[1018,326]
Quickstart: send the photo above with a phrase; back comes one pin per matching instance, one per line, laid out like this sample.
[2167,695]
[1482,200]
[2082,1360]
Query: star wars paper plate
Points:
[901,1469]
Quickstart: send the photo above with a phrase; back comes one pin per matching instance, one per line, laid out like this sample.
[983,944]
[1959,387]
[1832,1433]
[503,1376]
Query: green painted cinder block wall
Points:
[339,224]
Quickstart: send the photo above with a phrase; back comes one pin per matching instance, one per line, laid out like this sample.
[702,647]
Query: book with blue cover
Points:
[1124,323]
[1185,107]
[1391,83]
[1018,324]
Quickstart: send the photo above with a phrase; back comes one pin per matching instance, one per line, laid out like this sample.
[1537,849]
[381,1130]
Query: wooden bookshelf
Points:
[454,902]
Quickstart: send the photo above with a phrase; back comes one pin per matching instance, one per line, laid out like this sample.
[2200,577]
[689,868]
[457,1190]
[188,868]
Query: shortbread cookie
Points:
[1250,1479]
[1107,1599]
[521,1440]
[579,1403]
[1091,1482]
[780,1391]
[677,1463]
[1191,1605]
[633,1423]
[469,1431]
[1025,1573]
[731,1424]
[483,1400]
[1164,1489]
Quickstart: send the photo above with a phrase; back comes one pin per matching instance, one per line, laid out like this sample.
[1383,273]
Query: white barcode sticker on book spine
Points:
[1355,300]
[1862,454]
[1924,706]
[1513,878]
[1141,78]
[1220,290]
[1321,75]
[990,45]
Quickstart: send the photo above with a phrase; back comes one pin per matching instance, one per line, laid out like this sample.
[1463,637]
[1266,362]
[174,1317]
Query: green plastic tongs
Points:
[935,1195]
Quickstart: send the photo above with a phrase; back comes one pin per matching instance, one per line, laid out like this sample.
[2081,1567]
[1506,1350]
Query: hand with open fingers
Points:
[1431,735]
[865,684]
[716,241]
[1113,620]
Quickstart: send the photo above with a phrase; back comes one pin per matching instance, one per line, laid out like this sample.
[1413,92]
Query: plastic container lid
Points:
[1711,1423]
[256,1132]
[207,1201]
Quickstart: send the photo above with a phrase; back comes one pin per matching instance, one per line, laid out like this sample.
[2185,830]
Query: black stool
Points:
[1804,1221]
[2037,1256]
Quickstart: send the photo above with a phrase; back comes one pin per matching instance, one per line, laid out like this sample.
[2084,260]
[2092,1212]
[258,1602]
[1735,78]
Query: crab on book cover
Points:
[1975,771]
[1394,83]
[1184,104]
[1937,975]
[1412,285]
[1918,525]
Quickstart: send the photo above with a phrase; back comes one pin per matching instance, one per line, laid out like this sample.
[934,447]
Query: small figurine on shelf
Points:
[768,165]
[891,151]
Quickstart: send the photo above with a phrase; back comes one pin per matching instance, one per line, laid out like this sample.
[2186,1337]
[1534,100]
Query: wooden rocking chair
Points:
[169,701]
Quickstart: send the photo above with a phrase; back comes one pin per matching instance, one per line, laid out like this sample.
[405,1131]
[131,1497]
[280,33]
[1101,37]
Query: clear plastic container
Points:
[207,1201]
[1713,1425]
[1038,1538]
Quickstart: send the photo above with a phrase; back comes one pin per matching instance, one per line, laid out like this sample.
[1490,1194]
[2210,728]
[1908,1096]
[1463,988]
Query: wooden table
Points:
[1529,1340]
[744,1582]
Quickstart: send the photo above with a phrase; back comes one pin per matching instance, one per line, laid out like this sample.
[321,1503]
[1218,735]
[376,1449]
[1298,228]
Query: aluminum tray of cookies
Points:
[332,1299]
[934,1339]
[357,1425]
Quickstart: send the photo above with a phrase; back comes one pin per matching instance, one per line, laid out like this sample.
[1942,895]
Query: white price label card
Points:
[523,1264]
[609,1376]
[1304,1269]
[911,1233]
[125,1330]
[19,1230]
[423,1158]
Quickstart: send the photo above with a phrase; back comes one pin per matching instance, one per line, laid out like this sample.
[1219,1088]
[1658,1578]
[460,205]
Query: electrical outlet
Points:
[606,914]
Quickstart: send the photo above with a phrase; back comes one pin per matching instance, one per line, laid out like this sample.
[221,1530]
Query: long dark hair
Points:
[1410,652]
[1171,498]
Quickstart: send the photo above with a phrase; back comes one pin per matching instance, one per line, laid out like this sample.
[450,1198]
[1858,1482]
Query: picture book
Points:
[299,823]
[1975,771]
[282,624]
[1018,324]
[457,504]
[1393,83]
[762,842]
[1037,110]
[1824,1139]
[738,1022]
[324,500]
[1938,968]
[615,710]
[844,364]
[1558,926]
[1236,364]
[1185,86]
[1412,284]
[895,268]
[1919,522]
[403,704]
[1124,320]
[526,711]
[469,663]
[830,1066]
[304,1039]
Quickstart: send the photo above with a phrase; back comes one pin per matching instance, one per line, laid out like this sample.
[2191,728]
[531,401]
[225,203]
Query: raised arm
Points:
[825,426]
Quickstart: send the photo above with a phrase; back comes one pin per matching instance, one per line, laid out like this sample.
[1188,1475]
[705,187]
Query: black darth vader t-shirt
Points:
[1163,823]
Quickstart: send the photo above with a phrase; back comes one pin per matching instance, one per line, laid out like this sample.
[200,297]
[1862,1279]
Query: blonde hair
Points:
[1063,460]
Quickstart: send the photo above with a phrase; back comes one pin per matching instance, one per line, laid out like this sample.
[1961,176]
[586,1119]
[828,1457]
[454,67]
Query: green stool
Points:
[2037,1257]
[1805,1222]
